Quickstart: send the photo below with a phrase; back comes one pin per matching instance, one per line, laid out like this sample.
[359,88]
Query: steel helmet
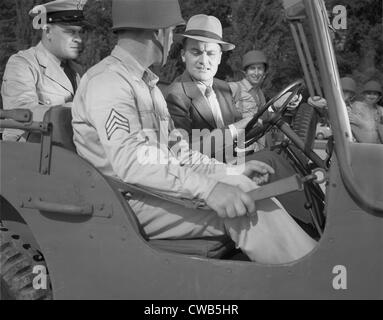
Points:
[146,14]
[252,57]
[372,86]
[348,84]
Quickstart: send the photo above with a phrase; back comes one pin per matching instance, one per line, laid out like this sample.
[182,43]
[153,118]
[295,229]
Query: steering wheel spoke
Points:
[253,131]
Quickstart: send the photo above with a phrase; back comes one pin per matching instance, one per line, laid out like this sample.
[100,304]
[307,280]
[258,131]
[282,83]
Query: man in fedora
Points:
[121,125]
[203,107]
[46,75]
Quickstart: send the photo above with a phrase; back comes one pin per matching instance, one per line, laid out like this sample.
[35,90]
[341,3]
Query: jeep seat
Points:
[212,247]
[62,131]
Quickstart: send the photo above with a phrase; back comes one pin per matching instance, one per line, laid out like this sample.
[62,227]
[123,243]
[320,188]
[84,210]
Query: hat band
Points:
[203,33]
[65,16]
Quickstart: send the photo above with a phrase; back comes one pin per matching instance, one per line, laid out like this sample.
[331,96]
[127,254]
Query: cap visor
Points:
[82,23]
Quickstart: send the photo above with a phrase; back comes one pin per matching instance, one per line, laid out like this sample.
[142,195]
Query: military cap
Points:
[348,84]
[253,57]
[372,86]
[63,11]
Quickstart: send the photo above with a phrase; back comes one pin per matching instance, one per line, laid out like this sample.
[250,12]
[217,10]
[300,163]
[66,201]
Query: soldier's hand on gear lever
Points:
[258,171]
[295,101]
[230,201]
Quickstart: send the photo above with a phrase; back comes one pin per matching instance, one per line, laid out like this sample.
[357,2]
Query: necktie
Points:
[214,106]
[208,91]
[70,74]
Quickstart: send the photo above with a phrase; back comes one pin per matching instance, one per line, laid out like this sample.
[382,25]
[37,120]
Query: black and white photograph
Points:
[191,155]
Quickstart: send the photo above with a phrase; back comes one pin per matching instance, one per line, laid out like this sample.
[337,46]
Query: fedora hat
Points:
[206,29]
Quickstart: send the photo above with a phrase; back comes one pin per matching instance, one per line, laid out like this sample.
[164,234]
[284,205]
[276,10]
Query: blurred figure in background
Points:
[349,89]
[366,116]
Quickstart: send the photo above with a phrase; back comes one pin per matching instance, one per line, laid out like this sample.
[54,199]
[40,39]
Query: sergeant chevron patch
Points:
[116,121]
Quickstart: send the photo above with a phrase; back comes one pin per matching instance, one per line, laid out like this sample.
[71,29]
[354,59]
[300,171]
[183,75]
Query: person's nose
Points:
[203,59]
[258,72]
[77,38]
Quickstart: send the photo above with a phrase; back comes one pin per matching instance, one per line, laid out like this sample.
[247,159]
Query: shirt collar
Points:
[47,53]
[246,84]
[202,86]
[149,77]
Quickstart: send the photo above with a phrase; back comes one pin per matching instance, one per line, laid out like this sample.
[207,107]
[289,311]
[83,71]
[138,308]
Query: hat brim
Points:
[82,23]
[226,46]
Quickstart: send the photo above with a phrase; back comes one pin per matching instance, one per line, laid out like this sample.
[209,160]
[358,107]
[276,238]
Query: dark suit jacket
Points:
[189,110]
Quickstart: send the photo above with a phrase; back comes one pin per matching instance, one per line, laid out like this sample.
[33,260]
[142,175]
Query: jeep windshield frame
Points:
[315,12]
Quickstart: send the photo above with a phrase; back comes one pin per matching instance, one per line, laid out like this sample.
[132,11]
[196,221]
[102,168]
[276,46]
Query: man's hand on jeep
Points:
[295,101]
[230,202]
[317,102]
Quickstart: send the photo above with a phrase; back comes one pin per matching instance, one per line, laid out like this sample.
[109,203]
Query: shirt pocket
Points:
[246,104]
[52,99]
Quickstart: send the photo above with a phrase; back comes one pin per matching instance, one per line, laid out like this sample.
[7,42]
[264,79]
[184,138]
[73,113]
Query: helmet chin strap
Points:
[163,40]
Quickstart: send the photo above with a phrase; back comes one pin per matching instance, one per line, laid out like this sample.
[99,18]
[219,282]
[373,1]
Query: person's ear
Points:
[48,31]
[220,57]
[183,55]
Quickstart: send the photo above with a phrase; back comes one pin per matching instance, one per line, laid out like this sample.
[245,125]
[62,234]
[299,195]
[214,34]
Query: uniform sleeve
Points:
[111,109]
[18,90]
[235,90]
[19,86]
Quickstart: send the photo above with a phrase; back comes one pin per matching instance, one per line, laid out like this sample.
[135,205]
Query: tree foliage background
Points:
[250,24]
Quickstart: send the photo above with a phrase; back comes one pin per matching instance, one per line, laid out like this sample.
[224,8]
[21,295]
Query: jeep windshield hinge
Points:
[46,150]
[22,119]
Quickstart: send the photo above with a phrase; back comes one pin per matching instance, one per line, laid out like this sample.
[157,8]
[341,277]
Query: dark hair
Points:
[184,40]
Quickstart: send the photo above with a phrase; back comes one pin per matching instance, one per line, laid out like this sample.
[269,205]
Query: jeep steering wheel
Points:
[254,131]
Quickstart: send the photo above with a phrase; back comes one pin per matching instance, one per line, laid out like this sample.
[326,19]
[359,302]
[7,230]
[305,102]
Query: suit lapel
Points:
[52,69]
[225,100]
[199,102]
[77,68]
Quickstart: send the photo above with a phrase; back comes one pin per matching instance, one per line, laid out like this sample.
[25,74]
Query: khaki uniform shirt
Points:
[121,125]
[33,79]
[366,122]
[247,98]
[247,101]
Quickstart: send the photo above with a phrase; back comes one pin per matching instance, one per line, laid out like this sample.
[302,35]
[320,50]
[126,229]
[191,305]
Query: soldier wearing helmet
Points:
[46,75]
[121,125]
[255,66]
[248,92]
[372,92]
[348,88]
